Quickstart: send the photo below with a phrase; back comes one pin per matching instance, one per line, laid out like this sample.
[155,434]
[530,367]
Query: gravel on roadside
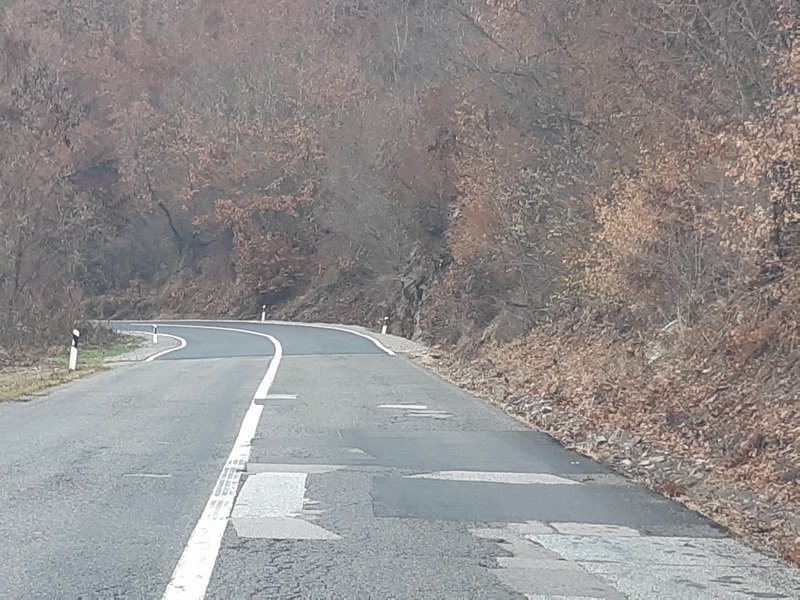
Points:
[146,350]
[395,343]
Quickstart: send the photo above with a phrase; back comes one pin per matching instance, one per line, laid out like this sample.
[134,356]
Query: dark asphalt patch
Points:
[484,502]
[509,451]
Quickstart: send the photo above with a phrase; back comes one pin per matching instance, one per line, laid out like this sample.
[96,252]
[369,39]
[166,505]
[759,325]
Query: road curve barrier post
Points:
[73,351]
[385,325]
[155,334]
[263,312]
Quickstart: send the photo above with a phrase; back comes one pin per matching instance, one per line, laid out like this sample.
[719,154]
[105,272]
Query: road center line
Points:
[192,574]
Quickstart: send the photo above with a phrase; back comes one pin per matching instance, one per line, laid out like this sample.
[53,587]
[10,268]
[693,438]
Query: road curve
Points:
[279,461]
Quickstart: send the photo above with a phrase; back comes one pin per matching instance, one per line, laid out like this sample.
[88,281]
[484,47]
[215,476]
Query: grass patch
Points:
[18,382]
[94,355]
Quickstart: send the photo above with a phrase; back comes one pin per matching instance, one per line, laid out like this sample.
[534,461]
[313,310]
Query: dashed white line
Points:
[193,572]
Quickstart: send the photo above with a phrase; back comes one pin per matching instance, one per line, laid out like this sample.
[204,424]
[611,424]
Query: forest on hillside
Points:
[601,199]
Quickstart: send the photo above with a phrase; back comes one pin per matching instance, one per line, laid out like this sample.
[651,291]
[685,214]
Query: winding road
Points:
[262,460]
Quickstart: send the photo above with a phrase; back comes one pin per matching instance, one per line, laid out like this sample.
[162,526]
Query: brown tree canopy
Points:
[497,162]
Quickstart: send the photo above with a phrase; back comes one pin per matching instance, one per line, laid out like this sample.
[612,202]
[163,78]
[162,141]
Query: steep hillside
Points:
[600,199]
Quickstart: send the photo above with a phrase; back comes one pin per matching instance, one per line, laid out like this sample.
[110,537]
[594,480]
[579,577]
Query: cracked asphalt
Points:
[367,477]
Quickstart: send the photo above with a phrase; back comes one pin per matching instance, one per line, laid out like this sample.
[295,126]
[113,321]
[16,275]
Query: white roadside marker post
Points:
[385,325]
[155,334]
[263,313]
[73,351]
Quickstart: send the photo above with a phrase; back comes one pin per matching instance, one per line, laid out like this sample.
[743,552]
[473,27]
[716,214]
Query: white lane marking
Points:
[168,350]
[148,475]
[193,572]
[335,328]
[496,477]
[263,389]
[281,397]
[271,495]
[404,406]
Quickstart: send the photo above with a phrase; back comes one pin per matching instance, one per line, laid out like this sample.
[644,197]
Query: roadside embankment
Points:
[22,381]
[720,439]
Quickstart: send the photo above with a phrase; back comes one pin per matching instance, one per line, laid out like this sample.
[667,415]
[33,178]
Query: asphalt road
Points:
[280,461]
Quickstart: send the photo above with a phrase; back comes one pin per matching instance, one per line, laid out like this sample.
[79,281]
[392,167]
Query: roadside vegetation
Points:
[593,208]
[21,382]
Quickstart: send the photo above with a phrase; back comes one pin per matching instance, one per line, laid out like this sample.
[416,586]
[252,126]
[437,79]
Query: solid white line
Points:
[193,572]
[335,328]
[287,323]
[168,350]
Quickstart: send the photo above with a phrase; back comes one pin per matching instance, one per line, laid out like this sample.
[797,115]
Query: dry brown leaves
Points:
[719,435]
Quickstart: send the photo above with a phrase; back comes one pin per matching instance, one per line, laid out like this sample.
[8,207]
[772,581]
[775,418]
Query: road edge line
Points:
[168,350]
[380,346]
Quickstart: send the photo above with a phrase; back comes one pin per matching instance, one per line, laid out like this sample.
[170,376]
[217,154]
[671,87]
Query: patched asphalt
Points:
[375,422]
[399,484]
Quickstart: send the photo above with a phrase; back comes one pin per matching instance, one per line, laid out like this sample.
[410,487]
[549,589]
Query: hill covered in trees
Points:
[602,199]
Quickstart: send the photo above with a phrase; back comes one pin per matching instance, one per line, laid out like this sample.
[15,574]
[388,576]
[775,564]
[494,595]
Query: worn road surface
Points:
[281,461]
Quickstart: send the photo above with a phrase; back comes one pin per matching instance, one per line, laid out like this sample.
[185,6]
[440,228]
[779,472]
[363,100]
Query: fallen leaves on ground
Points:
[721,438]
